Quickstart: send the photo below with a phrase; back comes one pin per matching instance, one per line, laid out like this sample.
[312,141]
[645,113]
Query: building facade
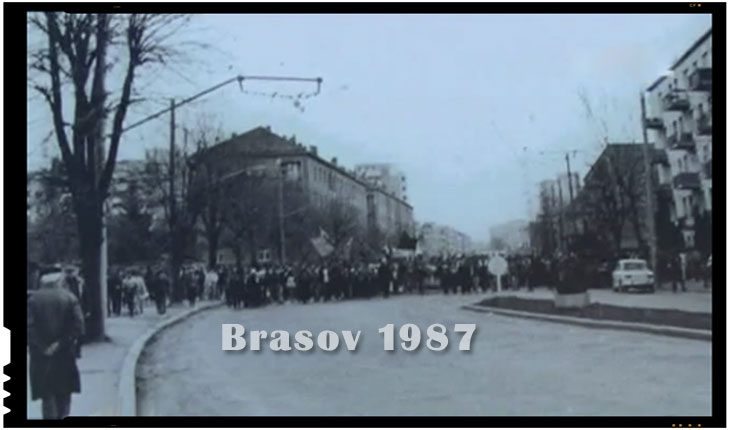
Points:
[514,234]
[309,180]
[679,121]
[386,177]
[437,240]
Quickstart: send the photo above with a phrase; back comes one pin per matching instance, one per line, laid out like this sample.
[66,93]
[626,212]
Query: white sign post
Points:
[498,267]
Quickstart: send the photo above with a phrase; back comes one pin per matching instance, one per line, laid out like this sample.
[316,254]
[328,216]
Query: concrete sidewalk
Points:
[101,363]
[696,299]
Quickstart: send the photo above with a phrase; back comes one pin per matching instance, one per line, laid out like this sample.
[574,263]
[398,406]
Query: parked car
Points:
[632,273]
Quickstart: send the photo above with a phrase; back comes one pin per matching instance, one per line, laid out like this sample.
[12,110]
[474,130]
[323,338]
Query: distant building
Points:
[307,175]
[440,240]
[384,176]
[514,234]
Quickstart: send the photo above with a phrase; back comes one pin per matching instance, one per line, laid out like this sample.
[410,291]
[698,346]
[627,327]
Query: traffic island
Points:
[696,325]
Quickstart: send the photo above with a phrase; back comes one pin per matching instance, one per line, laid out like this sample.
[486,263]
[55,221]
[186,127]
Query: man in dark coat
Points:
[55,326]
[114,284]
[161,287]
[384,278]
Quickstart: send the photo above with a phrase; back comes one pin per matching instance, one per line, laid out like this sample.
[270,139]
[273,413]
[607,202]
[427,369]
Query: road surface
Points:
[516,367]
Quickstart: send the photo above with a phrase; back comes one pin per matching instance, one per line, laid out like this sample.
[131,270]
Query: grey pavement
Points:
[517,367]
[101,363]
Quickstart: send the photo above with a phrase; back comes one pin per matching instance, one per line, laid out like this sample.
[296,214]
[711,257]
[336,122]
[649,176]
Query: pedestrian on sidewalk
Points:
[161,287]
[55,327]
[114,284]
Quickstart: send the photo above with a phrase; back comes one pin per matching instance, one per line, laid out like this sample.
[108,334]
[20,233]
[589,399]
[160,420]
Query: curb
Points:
[127,388]
[601,324]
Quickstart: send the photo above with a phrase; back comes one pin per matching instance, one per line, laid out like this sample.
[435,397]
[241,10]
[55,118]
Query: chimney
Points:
[334,160]
[313,149]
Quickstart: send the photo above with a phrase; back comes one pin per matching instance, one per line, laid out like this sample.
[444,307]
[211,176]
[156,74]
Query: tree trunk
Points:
[212,249]
[90,243]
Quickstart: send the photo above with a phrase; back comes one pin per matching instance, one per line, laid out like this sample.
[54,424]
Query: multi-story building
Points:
[513,234]
[385,176]
[440,240]
[305,174]
[679,118]
[611,206]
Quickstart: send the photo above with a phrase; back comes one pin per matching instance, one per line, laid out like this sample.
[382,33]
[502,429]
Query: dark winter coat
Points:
[54,315]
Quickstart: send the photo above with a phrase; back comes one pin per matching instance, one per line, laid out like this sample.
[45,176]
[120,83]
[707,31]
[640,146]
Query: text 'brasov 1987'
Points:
[234,338]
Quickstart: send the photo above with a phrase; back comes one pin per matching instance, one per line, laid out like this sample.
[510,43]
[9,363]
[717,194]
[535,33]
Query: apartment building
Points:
[679,120]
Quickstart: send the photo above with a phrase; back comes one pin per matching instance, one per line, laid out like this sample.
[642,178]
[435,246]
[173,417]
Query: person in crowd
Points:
[148,276]
[324,282]
[253,288]
[385,275]
[55,328]
[290,285]
[161,287]
[114,286]
[199,285]
[304,285]
[238,289]
[129,292]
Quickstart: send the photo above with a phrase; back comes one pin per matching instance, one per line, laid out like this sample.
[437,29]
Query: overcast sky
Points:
[464,104]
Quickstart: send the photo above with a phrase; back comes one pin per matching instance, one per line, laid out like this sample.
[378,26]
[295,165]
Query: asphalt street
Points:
[516,367]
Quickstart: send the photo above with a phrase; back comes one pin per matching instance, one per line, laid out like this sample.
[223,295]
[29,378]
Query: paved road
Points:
[516,367]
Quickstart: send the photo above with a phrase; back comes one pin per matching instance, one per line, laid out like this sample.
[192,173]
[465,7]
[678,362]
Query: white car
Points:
[632,273]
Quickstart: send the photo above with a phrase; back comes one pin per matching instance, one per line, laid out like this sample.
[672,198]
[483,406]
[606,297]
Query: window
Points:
[694,64]
[635,265]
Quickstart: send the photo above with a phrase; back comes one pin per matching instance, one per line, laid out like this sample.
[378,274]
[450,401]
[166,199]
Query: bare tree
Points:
[52,234]
[180,231]
[250,213]
[207,193]
[614,194]
[340,221]
[79,52]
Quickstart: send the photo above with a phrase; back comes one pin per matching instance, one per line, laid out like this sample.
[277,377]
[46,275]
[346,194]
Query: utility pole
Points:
[649,195]
[282,246]
[570,178]
[173,242]
[560,218]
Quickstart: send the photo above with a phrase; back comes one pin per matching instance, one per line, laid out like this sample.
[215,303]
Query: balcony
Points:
[701,80]
[660,157]
[687,181]
[654,123]
[681,141]
[677,100]
[704,125]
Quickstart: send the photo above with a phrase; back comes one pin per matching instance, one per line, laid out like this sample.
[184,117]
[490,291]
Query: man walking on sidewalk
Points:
[55,326]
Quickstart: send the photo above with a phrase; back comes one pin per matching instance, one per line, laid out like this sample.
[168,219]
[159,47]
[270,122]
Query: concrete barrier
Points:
[604,324]
[127,388]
